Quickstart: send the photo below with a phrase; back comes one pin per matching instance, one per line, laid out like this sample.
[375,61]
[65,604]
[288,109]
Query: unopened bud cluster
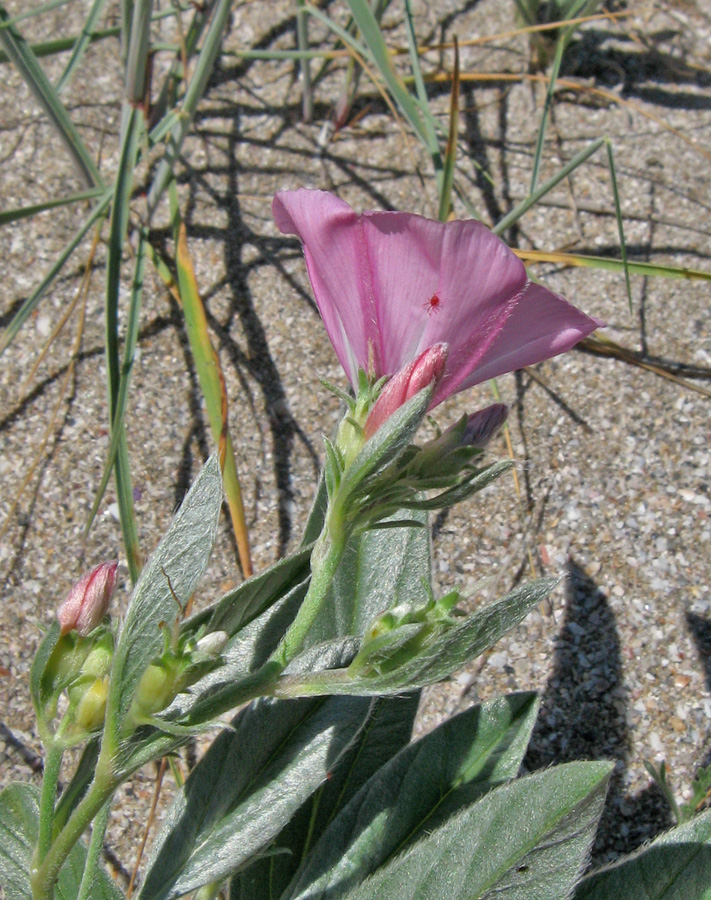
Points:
[400,634]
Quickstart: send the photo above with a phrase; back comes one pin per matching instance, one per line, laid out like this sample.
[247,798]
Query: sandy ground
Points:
[612,488]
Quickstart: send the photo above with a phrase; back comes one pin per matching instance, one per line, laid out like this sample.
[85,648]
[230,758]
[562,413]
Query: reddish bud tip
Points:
[410,380]
[87,602]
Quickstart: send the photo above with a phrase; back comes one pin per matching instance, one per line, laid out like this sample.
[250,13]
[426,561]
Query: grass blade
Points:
[132,128]
[302,36]
[373,37]
[534,197]
[129,353]
[87,35]
[546,109]
[137,63]
[427,117]
[212,384]
[450,156]
[31,302]
[33,74]
[620,225]
[612,265]
[23,212]
[198,83]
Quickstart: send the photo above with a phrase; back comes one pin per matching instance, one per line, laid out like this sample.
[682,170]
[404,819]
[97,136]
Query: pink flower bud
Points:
[87,602]
[410,380]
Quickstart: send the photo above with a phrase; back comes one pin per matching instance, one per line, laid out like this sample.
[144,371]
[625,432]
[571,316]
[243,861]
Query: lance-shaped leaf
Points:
[450,649]
[212,385]
[424,785]
[677,866]
[387,731]
[174,569]
[379,570]
[526,840]
[247,787]
[19,830]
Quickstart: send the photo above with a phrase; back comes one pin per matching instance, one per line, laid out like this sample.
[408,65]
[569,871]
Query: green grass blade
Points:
[620,225]
[302,36]
[450,156]
[33,74]
[61,45]
[613,265]
[132,129]
[31,302]
[533,198]
[198,83]
[88,33]
[23,212]
[129,353]
[560,47]
[212,384]
[428,120]
[137,63]
[373,37]
[31,13]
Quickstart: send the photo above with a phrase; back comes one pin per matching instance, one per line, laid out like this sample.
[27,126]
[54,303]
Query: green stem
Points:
[52,764]
[96,845]
[44,875]
[327,554]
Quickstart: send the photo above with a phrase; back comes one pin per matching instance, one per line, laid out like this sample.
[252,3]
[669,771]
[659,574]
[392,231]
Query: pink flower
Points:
[87,602]
[391,285]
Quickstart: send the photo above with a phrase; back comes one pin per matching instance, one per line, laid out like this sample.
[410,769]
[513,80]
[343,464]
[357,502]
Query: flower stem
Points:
[52,764]
[44,874]
[98,830]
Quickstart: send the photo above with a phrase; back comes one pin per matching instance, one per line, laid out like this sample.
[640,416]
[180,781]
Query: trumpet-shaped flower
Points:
[391,285]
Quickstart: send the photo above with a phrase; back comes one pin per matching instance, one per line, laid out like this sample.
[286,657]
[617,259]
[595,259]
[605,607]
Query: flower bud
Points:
[91,708]
[87,602]
[209,647]
[410,380]
[483,425]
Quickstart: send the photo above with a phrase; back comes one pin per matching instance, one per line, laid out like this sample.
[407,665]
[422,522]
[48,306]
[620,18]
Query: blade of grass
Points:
[82,42]
[212,383]
[36,11]
[534,197]
[131,131]
[139,43]
[196,88]
[23,212]
[428,120]
[373,37]
[129,353]
[31,302]
[450,156]
[620,224]
[302,36]
[612,265]
[560,47]
[33,74]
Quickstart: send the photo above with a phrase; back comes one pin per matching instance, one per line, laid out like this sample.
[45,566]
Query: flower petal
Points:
[536,325]
[435,282]
[338,269]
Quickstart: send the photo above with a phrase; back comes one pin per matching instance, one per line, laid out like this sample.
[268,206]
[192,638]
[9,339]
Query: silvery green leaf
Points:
[526,840]
[379,570]
[417,791]
[174,568]
[452,649]
[386,732]
[676,866]
[247,787]
[19,830]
